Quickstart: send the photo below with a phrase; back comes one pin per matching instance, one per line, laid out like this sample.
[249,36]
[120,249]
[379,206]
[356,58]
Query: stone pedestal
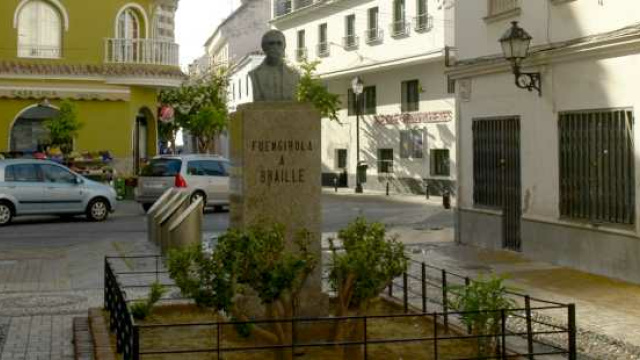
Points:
[276,173]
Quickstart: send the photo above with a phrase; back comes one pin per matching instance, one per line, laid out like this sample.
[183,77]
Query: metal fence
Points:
[432,296]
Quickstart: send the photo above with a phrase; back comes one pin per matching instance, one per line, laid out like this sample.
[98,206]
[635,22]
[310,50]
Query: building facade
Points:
[399,50]
[551,174]
[111,66]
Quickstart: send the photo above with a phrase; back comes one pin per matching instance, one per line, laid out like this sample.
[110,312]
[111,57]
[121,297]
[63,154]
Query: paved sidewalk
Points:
[607,310]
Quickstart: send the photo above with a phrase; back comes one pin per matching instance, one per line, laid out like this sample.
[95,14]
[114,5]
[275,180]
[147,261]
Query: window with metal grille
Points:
[494,141]
[597,166]
[368,101]
[411,144]
[410,96]
[440,162]
[385,161]
[341,158]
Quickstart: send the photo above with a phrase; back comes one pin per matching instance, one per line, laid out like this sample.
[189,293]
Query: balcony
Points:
[301,54]
[350,42]
[285,7]
[423,23]
[323,49]
[39,51]
[400,29]
[374,36]
[502,9]
[299,4]
[141,51]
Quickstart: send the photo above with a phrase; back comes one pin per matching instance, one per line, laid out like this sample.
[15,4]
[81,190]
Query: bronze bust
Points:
[273,80]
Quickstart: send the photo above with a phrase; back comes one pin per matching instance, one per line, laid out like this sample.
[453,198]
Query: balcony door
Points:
[128,32]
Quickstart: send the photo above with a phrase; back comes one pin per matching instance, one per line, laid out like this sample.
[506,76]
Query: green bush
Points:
[140,310]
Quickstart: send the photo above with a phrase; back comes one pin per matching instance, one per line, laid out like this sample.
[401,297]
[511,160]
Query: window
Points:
[597,166]
[301,50]
[410,96]
[39,31]
[411,144]
[22,173]
[350,38]
[56,174]
[239,88]
[368,102]
[499,7]
[399,25]
[374,33]
[323,45]
[162,167]
[128,24]
[440,162]
[451,86]
[206,168]
[341,158]
[246,85]
[423,21]
[385,161]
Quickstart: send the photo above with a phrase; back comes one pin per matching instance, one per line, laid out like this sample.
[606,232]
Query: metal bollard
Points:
[446,199]
[426,189]
[387,187]
[335,183]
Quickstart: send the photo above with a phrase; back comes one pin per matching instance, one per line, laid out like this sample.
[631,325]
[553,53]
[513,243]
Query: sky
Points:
[195,22]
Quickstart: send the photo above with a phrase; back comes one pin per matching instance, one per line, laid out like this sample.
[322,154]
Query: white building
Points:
[399,49]
[553,176]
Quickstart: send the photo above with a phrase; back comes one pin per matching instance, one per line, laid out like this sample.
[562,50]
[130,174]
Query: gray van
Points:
[205,176]
[35,187]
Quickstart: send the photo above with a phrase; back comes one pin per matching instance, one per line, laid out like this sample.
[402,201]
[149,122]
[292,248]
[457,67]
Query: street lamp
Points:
[515,47]
[357,86]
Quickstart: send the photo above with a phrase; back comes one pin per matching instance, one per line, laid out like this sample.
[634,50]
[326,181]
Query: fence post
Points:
[445,307]
[293,337]
[105,296]
[218,343]
[405,297]
[366,355]
[527,307]
[435,336]
[157,259]
[391,288]
[572,332]
[424,288]
[467,282]
[503,334]
[135,347]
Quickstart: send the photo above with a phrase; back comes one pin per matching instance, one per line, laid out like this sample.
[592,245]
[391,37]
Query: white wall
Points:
[240,74]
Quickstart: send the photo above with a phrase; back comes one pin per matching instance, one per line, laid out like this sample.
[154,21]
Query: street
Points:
[51,269]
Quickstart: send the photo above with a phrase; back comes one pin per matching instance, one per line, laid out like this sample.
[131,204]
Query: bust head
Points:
[273,45]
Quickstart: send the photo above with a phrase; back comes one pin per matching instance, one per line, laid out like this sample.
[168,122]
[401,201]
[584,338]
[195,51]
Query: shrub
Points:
[140,310]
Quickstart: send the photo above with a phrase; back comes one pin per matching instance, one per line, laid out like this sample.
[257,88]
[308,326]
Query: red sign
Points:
[414,118]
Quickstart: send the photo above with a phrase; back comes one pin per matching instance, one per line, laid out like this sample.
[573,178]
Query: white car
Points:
[203,176]
[35,187]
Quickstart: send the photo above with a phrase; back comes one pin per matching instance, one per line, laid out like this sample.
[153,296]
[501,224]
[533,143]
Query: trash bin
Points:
[361,172]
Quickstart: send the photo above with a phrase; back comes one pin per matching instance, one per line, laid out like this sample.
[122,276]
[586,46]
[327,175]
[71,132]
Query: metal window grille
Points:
[440,162]
[497,7]
[411,144]
[597,166]
[410,97]
[341,158]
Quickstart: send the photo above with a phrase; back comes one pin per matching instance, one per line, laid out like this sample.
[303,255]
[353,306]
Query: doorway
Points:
[28,133]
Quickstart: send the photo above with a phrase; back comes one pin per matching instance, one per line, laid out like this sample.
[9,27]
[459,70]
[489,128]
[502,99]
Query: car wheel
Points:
[146,207]
[199,195]
[98,210]
[6,213]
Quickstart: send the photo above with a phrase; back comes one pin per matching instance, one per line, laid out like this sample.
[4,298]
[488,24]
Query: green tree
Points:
[480,302]
[368,262]
[200,107]
[311,89]
[64,127]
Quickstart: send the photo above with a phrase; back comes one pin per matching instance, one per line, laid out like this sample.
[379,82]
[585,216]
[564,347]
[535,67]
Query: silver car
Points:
[34,187]
[202,176]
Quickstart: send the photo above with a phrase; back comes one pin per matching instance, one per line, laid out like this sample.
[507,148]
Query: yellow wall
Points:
[90,22]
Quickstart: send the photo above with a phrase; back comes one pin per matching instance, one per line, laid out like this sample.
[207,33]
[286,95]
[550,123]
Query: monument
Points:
[276,163]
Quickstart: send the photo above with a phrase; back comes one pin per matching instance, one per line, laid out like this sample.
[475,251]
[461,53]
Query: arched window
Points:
[39,30]
[128,24]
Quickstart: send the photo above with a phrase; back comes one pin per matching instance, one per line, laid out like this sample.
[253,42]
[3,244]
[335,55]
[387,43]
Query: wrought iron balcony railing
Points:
[141,51]
[323,49]
[39,51]
[374,35]
[350,42]
[423,23]
[497,7]
[301,54]
[400,28]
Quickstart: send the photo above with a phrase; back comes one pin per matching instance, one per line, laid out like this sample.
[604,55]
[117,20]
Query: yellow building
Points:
[110,57]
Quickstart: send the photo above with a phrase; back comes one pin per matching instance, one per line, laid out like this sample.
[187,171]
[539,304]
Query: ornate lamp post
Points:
[357,87]
[515,47]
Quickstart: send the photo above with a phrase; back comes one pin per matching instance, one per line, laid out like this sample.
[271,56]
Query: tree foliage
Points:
[480,302]
[64,127]
[200,107]
[311,89]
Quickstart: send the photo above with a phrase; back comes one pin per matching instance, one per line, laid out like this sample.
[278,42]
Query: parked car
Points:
[35,187]
[202,176]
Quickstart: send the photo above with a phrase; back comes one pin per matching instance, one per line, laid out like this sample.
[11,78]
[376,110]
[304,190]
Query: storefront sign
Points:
[414,118]
[12,92]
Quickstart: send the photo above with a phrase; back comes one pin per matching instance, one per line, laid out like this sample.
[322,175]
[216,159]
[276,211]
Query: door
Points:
[218,181]
[512,206]
[64,194]
[23,182]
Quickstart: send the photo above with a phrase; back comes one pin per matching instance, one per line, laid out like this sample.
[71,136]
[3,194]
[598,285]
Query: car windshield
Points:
[162,167]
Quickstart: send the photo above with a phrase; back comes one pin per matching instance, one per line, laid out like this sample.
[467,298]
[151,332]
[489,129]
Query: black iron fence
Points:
[425,295]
